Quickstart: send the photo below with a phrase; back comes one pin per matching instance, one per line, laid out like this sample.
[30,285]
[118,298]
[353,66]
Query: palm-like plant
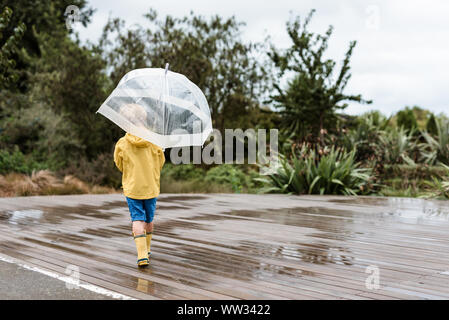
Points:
[397,146]
[335,171]
[441,186]
[435,149]
[365,137]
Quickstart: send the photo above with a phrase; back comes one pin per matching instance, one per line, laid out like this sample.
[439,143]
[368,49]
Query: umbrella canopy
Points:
[160,106]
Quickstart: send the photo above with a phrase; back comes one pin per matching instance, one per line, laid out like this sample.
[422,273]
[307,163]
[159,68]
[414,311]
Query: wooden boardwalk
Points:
[230,246]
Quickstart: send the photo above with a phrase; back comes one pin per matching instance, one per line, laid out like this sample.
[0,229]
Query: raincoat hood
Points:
[136,141]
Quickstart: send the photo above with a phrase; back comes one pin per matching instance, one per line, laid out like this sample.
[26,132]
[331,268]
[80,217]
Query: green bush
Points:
[231,175]
[182,172]
[16,161]
[47,136]
[364,138]
[406,119]
[169,185]
[440,185]
[435,149]
[221,178]
[412,172]
[431,125]
[333,172]
[397,146]
[397,189]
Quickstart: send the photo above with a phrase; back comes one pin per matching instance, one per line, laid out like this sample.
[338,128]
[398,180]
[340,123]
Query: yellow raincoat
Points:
[141,163]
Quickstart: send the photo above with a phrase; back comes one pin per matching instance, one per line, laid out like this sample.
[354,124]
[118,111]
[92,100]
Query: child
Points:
[141,163]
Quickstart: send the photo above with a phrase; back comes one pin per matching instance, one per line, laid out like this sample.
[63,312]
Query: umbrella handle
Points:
[166,68]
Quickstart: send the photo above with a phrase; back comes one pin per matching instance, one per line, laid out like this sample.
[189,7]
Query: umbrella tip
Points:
[166,67]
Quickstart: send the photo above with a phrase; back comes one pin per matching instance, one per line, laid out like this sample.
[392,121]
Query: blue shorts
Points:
[142,210]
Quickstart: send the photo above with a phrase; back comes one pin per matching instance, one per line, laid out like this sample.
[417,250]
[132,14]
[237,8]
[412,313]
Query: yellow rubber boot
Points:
[142,251]
[149,235]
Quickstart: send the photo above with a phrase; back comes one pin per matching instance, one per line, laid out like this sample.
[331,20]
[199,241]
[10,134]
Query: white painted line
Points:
[68,280]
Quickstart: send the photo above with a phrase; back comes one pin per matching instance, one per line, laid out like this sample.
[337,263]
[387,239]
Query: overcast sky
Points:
[402,53]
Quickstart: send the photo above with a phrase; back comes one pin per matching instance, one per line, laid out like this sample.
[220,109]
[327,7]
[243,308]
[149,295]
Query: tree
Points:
[421,115]
[9,46]
[431,125]
[406,119]
[309,103]
[50,111]
[43,16]
[37,17]
[70,79]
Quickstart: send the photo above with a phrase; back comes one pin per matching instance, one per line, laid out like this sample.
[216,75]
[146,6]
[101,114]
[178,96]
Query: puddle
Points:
[17,216]
[319,218]
[257,258]
[240,265]
[361,200]
[405,209]
[145,286]
[315,253]
[56,215]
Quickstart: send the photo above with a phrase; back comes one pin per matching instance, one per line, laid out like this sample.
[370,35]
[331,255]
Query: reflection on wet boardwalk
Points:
[240,246]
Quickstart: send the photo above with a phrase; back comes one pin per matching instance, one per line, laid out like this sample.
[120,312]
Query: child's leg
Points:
[136,209]
[150,207]
[149,227]
[139,227]
[142,251]
[149,235]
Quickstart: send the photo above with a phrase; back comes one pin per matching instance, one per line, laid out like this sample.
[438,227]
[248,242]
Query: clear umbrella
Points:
[160,106]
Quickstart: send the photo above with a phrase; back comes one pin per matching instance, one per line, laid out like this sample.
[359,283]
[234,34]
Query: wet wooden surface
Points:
[231,246]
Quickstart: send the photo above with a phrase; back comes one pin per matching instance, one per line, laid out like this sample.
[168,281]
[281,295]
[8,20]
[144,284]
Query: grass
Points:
[408,181]
[179,179]
[225,178]
[439,187]
[169,185]
[408,192]
[406,187]
[44,182]
[417,181]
